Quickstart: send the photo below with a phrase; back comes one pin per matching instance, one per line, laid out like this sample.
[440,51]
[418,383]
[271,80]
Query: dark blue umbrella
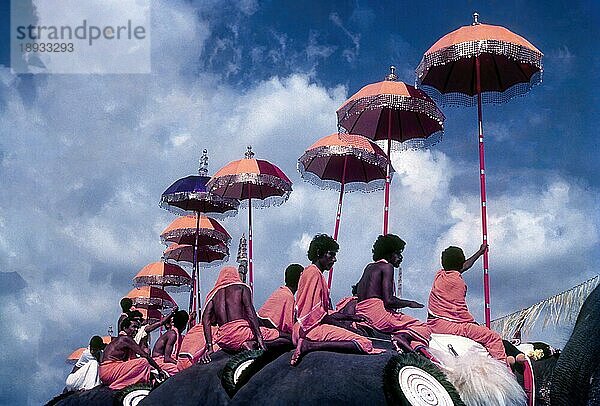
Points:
[190,195]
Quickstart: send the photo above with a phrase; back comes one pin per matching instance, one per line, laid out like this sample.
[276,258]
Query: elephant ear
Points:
[410,380]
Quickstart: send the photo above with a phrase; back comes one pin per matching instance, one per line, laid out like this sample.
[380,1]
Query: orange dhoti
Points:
[481,334]
[327,332]
[168,367]
[120,374]
[379,318]
[193,346]
[234,334]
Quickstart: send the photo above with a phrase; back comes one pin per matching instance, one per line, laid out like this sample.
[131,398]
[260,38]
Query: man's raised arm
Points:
[471,260]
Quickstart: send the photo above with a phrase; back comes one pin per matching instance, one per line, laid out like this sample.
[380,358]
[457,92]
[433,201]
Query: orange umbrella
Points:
[248,179]
[182,230]
[164,275]
[74,357]
[150,296]
[392,111]
[480,63]
[344,162]
[151,314]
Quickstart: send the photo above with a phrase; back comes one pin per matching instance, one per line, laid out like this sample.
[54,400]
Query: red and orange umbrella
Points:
[392,111]
[480,63]
[248,179]
[147,296]
[163,275]
[344,162]
[206,254]
[74,357]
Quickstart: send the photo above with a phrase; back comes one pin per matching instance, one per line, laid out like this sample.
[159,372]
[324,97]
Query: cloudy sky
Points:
[84,159]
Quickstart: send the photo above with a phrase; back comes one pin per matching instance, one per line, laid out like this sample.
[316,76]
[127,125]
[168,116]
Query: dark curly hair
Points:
[180,319]
[386,245]
[292,276]
[319,246]
[453,258]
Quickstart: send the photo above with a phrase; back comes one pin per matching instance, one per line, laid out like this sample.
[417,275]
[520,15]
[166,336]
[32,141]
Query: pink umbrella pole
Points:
[338,216]
[250,263]
[388,179]
[486,277]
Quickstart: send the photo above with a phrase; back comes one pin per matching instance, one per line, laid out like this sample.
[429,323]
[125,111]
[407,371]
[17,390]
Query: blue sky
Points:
[84,159]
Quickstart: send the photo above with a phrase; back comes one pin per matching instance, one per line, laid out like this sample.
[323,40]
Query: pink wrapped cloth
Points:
[120,374]
[311,306]
[447,299]
[379,318]
[193,345]
[448,313]
[279,309]
[349,301]
[234,334]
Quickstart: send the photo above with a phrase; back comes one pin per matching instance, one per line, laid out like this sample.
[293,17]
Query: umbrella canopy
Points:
[393,110]
[509,65]
[251,179]
[477,64]
[206,254]
[163,274]
[150,296]
[323,163]
[151,314]
[344,162]
[190,195]
[182,230]
[74,356]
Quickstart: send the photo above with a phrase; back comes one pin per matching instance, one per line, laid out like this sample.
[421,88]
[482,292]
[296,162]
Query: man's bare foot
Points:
[298,353]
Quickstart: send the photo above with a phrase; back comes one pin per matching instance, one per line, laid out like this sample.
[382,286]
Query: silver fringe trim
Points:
[188,232]
[556,310]
[229,206]
[163,280]
[413,144]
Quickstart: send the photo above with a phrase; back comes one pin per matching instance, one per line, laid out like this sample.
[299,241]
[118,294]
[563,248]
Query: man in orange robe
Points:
[166,348]
[193,345]
[120,368]
[376,300]
[278,310]
[447,307]
[229,306]
[317,329]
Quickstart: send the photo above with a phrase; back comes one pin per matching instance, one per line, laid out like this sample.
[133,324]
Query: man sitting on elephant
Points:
[317,328]
[447,308]
[278,310]
[166,348]
[229,306]
[376,300]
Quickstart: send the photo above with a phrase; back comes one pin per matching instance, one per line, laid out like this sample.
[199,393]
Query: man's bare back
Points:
[229,304]
[376,277]
[164,346]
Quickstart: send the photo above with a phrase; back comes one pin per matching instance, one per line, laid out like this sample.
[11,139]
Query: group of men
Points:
[300,316]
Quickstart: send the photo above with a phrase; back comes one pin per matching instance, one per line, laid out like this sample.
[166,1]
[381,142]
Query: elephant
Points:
[571,378]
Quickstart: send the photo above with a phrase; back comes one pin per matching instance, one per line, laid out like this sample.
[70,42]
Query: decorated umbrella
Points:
[198,231]
[248,179]
[74,357]
[152,314]
[190,195]
[344,162]
[206,253]
[148,296]
[163,275]
[475,64]
[392,111]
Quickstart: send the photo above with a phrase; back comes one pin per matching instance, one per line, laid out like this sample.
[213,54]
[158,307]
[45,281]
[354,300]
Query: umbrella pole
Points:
[486,277]
[388,179]
[338,215]
[250,261]
[196,275]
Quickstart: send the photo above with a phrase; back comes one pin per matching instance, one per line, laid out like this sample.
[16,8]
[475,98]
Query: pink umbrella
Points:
[394,112]
[163,275]
[474,64]
[248,179]
[344,162]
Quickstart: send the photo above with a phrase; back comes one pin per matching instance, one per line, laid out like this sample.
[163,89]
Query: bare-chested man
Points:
[120,367]
[166,348]
[318,329]
[229,305]
[376,300]
[142,335]
[126,307]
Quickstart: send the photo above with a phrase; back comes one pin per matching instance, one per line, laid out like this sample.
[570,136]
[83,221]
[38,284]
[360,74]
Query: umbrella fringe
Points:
[172,235]
[414,143]
[326,184]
